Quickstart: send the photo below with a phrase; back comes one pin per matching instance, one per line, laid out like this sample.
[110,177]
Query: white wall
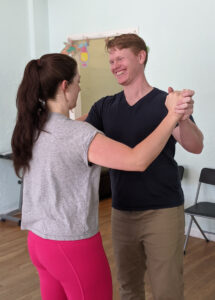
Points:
[24,35]
[14,53]
[181,38]
[38,22]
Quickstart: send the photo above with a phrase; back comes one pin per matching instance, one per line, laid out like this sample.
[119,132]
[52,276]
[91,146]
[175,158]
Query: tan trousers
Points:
[151,240]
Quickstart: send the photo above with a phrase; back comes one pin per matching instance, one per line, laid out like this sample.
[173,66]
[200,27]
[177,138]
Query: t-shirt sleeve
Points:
[95,115]
[85,134]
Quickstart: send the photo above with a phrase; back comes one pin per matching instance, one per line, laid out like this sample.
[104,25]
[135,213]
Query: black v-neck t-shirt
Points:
[157,187]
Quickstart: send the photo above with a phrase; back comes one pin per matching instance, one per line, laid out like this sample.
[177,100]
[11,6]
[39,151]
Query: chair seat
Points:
[205,209]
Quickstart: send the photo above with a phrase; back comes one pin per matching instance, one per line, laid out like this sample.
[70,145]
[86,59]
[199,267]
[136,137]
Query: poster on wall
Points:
[72,48]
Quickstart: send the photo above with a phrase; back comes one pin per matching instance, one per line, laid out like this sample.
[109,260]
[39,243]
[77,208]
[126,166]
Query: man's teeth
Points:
[119,73]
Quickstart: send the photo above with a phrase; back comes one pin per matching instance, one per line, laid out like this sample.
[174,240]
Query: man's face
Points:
[125,65]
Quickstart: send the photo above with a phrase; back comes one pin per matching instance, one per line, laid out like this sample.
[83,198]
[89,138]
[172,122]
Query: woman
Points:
[60,196]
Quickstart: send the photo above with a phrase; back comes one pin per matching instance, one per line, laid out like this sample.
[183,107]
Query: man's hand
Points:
[186,105]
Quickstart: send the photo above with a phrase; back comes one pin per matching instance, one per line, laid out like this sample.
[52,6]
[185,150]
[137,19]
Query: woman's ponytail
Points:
[31,116]
[40,83]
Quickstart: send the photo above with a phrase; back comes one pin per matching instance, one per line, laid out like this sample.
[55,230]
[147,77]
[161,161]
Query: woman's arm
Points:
[112,154]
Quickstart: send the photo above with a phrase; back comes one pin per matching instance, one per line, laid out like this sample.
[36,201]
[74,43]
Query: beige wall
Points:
[96,79]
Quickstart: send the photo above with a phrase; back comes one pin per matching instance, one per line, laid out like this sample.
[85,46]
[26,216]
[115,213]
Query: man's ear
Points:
[142,56]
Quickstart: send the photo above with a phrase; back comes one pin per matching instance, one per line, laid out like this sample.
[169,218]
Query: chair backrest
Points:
[207,176]
[181,172]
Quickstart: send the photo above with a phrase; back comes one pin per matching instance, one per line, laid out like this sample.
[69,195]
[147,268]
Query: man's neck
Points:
[137,90]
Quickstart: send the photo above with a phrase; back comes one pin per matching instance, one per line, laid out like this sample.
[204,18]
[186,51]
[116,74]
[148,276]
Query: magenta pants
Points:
[71,270]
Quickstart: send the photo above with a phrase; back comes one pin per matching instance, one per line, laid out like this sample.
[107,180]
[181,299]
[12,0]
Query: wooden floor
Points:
[19,281]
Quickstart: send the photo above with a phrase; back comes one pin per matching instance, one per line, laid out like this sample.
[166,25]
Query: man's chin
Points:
[122,82]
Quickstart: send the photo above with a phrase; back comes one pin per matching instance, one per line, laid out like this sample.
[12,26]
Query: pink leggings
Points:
[71,270]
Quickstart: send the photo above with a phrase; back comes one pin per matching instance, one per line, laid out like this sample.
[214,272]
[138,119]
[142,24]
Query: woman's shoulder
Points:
[81,129]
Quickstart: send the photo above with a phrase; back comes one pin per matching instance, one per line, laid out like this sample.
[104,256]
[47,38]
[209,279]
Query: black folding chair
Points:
[201,209]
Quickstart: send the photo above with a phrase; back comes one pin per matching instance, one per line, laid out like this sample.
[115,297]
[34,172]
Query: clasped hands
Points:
[184,103]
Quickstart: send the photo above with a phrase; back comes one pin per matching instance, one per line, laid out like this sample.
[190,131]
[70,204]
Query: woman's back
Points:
[60,189]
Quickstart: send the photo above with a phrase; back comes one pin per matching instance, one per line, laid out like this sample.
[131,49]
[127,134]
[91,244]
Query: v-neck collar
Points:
[144,98]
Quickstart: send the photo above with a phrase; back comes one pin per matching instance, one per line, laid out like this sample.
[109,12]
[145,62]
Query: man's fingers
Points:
[184,105]
[187,92]
[184,92]
[185,100]
[184,111]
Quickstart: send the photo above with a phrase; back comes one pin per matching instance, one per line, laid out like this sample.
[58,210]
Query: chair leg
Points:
[202,232]
[188,234]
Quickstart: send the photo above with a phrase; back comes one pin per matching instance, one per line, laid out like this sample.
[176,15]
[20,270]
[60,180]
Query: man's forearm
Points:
[191,138]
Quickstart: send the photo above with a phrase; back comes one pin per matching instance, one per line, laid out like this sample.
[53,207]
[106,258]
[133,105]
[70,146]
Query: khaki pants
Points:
[151,240]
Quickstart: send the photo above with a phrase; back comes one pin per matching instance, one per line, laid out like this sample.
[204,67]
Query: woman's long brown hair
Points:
[40,82]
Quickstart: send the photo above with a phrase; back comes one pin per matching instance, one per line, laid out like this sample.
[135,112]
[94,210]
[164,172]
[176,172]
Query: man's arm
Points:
[82,118]
[189,136]
[95,115]
[187,133]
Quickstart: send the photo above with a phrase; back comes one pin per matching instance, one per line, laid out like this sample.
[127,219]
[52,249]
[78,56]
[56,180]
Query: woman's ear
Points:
[64,85]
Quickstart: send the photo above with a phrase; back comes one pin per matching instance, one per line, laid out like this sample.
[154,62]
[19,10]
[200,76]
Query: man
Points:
[147,214]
